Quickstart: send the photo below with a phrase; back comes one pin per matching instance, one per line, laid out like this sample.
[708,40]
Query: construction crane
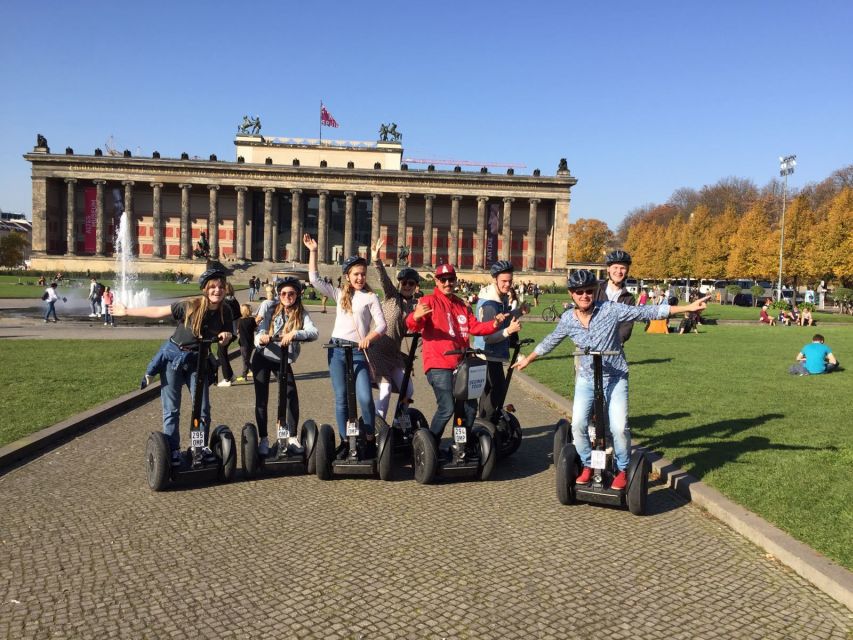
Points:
[464,163]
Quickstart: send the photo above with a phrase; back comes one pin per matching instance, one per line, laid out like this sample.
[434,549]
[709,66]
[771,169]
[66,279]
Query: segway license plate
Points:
[283,433]
[352,429]
[404,421]
[460,436]
[591,431]
[196,438]
[599,459]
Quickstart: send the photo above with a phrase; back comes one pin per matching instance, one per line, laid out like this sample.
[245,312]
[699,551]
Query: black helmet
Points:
[210,274]
[289,281]
[581,279]
[409,274]
[622,257]
[350,262]
[501,266]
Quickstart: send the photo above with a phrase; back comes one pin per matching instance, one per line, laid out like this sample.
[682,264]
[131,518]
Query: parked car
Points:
[632,285]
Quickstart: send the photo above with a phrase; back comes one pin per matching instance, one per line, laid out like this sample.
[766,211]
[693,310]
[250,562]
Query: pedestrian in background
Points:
[50,298]
[107,301]
[246,327]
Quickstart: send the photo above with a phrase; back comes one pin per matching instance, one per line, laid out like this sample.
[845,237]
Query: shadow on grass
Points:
[715,444]
[650,361]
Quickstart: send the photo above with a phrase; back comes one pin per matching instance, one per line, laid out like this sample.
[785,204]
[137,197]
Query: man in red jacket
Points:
[445,322]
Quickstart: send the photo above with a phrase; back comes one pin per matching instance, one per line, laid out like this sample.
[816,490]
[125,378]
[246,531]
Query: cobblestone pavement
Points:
[89,552]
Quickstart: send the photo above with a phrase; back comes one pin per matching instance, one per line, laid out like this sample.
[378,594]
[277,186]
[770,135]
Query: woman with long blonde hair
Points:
[205,317]
[283,326]
[356,307]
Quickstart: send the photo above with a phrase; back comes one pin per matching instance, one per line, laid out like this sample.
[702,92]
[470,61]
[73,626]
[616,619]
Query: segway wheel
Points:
[324,452]
[511,440]
[488,453]
[424,456]
[158,461]
[562,437]
[249,450]
[385,449]
[638,483]
[308,441]
[567,472]
[223,445]
[418,419]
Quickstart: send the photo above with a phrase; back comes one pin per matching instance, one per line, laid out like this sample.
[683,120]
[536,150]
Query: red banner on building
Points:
[90,217]
[326,118]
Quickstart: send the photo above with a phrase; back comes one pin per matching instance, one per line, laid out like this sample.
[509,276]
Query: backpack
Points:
[99,290]
[44,296]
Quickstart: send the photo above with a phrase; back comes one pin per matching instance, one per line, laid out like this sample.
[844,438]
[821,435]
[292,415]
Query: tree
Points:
[751,252]
[830,253]
[714,246]
[12,247]
[588,240]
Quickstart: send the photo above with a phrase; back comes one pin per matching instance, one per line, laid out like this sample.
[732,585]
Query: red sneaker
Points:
[585,477]
[619,481]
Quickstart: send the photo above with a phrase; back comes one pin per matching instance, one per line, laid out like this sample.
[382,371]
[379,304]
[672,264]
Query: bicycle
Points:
[550,313]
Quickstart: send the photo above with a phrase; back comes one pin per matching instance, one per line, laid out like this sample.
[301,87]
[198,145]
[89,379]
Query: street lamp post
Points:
[786,168]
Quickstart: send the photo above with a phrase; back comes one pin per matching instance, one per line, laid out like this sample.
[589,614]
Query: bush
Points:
[780,305]
[757,292]
[733,290]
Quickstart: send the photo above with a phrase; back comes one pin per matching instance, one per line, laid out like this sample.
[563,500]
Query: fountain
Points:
[126,277]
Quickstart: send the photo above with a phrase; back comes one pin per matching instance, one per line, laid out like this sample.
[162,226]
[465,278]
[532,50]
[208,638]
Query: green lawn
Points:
[47,381]
[10,288]
[722,406]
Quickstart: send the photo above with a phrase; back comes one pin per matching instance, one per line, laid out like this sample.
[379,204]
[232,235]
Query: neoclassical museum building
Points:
[256,208]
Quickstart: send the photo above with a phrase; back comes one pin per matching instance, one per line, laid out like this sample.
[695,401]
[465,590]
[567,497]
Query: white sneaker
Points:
[264,447]
[293,446]
[224,383]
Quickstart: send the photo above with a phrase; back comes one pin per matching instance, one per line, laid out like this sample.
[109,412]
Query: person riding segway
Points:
[284,326]
[494,299]
[445,323]
[594,328]
[614,289]
[349,368]
[184,360]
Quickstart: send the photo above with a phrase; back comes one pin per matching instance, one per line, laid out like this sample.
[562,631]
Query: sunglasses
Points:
[583,292]
[288,294]
[446,279]
[410,283]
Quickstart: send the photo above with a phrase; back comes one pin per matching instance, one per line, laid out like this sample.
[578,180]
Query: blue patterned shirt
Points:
[601,335]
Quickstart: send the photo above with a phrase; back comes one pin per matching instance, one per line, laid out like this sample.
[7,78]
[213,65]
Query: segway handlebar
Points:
[592,352]
[525,342]
[332,345]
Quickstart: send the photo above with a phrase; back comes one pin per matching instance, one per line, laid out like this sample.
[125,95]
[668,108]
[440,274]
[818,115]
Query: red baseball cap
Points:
[445,270]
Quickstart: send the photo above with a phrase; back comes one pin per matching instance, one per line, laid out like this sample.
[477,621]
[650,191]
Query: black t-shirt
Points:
[215,322]
[246,328]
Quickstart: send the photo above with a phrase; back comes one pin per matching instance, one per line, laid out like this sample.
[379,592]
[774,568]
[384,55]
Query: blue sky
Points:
[641,98]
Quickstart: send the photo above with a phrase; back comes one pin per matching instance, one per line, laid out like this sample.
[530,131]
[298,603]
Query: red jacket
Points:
[445,329]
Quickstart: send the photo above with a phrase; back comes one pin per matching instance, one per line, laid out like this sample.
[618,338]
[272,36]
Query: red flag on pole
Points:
[326,119]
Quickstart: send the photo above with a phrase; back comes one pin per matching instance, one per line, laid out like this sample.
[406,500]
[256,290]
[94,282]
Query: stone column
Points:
[157,220]
[100,219]
[39,244]
[531,234]
[375,218]
[71,218]
[506,229]
[480,254]
[348,223]
[186,230]
[322,224]
[428,199]
[453,250]
[295,225]
[402,214]
[213,220]
[269,242]
[130,216]
[561,233]
[240,249]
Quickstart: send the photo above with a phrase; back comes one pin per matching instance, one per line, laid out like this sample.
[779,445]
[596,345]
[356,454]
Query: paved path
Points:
[89,552]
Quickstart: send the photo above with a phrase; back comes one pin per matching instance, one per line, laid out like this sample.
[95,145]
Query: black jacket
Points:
[625,297]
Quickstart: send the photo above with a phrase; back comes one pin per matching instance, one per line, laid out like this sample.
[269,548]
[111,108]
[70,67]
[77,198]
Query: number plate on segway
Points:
[196,438]
[404,421]
[352,429]
[460,436]
[283,433]
[591,432]
[599,459]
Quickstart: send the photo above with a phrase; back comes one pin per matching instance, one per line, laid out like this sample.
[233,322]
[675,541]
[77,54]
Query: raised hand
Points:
[309,242]
[374,251]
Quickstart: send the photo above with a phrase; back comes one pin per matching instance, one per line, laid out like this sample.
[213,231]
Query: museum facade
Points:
[347,194]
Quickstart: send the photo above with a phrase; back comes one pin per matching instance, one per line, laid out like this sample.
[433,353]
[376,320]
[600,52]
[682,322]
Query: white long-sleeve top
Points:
[365,307]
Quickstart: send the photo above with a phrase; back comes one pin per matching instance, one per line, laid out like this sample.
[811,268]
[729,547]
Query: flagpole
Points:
[321,123]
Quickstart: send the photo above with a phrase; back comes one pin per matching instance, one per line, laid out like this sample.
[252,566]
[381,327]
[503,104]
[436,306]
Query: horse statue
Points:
[250,126]
[41,141]
[245,126]
[395,135]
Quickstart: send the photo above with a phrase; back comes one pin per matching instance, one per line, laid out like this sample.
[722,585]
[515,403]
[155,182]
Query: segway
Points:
[355,456]
[217,463]
[472,453]
[568,462]
[407,420]
[279,459]
[507,434]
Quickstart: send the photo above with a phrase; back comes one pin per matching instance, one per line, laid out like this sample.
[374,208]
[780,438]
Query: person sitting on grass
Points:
[766,318]
[687,324]
[806,319]
[815,358]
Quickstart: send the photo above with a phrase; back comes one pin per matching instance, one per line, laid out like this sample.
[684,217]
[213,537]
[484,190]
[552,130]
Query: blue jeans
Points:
[363,391]
[172,384]
[441,381]
[51,308]
[616,401]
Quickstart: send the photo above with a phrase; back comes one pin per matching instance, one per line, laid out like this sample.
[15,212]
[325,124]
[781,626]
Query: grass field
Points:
[10,288]
[722,406]
[47,381]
